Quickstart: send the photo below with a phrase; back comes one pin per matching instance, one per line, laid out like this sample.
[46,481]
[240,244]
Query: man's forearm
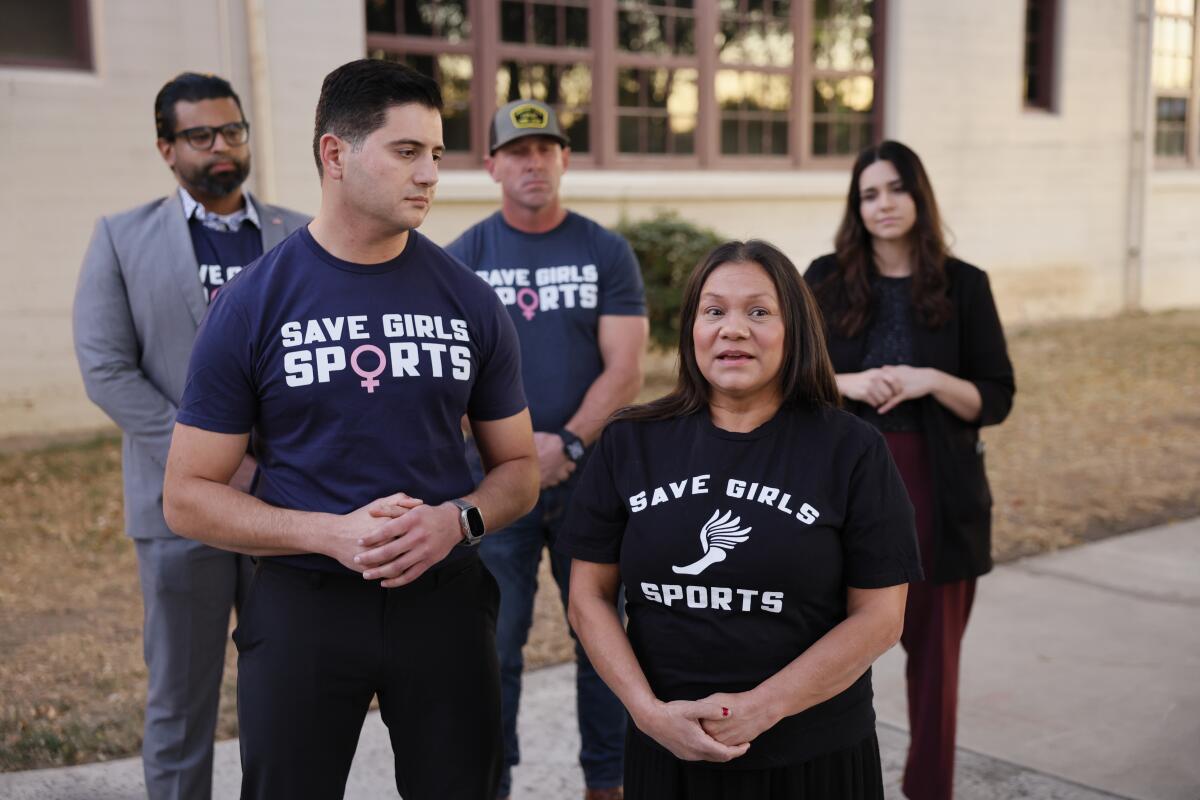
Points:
[507,492]
[613,388]
[221,516]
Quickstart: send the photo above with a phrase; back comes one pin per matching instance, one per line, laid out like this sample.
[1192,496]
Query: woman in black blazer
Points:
[919,352]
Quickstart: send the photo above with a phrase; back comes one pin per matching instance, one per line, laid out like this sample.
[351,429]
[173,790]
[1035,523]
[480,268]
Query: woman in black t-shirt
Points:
[919,352]
[764,540]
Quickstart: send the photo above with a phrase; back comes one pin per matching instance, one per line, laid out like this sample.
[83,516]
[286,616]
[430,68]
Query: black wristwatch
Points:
[471,522]
[572,445]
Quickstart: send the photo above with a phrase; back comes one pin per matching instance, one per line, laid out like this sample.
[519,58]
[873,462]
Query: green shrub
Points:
[667,247]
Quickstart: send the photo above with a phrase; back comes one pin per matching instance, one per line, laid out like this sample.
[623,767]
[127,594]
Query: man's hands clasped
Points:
[395,539]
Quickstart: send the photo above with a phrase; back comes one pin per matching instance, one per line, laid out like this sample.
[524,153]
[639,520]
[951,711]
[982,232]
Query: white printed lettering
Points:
[460,362]
[329,360]
[291,334]
[435,351]
[298,367]
[356,329]
[405,358]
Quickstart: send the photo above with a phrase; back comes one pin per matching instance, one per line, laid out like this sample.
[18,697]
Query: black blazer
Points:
[969,346]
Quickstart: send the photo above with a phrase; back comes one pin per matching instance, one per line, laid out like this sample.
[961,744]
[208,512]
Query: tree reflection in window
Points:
[754,112]
[662,27]
[441,19]
[843,87]
[656,111]
[453,74]
[552,23]
[755,33]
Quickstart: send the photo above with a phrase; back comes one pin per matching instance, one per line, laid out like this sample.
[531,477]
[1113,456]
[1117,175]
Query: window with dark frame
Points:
[1175,83]
[782,83]
[51,34]
[1040,19]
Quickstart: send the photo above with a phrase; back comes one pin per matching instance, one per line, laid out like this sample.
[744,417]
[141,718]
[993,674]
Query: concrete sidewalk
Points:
[1081,681]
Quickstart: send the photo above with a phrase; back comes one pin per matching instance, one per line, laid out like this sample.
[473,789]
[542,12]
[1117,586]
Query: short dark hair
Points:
[190,87]
[356,96]
[806,377]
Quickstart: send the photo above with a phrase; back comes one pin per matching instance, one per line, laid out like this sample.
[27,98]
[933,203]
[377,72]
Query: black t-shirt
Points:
[736,550]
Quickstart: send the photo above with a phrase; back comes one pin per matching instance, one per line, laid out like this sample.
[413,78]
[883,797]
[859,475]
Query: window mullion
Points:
[800,117]
[602,25]
[708,117]
[487,38]
[1192,126]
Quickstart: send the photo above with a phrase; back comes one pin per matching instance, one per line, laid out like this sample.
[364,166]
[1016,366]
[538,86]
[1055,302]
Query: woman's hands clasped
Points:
[680,727]
[748,716]
[884,388]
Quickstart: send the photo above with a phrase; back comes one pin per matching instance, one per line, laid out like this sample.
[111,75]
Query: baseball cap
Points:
[524,118]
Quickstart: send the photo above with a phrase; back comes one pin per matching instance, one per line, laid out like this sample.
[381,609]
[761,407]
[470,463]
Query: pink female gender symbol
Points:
[370,383]
[528,306]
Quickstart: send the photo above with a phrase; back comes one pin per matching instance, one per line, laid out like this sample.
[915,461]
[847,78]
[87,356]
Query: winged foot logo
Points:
[718,536]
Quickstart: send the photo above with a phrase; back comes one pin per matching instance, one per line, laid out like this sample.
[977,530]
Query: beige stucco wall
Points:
[1040,200]
[1171,271]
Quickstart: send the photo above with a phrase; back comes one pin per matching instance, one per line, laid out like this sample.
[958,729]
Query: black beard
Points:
[219,184]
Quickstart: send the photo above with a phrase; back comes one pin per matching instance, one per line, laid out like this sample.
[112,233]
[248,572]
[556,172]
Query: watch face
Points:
[575,450]
[474,521]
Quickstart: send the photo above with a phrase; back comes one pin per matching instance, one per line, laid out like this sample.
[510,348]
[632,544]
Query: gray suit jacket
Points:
[137,307]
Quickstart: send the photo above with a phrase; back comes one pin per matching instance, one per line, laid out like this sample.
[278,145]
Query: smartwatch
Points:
[471,522]
[572,445]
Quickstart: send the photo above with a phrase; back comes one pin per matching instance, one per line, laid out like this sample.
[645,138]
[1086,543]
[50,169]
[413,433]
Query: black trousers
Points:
[315,647]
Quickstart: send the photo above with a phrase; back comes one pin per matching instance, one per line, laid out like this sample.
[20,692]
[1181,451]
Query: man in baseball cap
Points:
[522,118]
[574,292]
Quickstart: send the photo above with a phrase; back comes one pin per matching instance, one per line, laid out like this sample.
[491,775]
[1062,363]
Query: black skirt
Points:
[850,774]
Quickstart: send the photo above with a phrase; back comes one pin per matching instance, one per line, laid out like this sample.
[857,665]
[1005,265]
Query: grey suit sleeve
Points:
[107,348]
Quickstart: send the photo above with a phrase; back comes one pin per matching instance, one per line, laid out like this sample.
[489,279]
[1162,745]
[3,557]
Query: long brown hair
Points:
[846,294]
[806,374]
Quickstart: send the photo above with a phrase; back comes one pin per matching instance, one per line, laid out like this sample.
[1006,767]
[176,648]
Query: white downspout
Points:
[1141,154]
[260,89]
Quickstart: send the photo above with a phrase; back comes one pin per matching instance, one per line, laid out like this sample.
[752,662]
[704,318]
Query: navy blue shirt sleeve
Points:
[622,293]
[498,392]
[220,392]
[595,522]
[879,538]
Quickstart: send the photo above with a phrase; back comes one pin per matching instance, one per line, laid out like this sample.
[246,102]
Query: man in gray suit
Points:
[146,281]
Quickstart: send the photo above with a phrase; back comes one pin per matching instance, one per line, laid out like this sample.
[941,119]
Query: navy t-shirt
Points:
[223,254]
[736,550]
[556,285]
[354,378]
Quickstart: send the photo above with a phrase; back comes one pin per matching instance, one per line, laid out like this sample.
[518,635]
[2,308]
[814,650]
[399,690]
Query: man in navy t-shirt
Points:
[574,292]
[352,351]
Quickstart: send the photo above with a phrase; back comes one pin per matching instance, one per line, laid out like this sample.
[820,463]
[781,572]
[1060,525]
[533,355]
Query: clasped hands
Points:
[395,539]
[718,728]
[884,388]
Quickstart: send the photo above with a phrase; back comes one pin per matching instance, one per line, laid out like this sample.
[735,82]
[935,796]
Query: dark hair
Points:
[848,291]
[806,374]
[356,96]
[190,87]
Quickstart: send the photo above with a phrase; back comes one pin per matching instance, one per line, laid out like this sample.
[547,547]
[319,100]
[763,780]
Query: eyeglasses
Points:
[202,137]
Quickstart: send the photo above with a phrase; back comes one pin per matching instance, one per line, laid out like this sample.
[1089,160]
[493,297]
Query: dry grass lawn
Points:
[1105,438]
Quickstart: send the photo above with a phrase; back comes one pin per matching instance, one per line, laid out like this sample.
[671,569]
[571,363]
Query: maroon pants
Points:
[934,621]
